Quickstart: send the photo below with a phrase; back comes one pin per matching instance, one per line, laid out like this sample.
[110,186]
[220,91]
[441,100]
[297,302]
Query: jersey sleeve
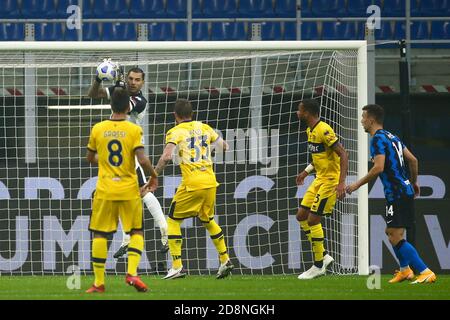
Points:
[211,132]
[137,104]
[328,136]
[139,140]
[378,146]
[92,145]
[172,136]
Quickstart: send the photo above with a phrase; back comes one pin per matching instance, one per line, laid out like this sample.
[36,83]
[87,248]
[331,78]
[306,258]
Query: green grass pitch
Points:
[236,287]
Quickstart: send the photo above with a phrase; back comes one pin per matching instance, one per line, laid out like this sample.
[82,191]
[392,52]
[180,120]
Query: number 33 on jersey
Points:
[193,140]
[115,141]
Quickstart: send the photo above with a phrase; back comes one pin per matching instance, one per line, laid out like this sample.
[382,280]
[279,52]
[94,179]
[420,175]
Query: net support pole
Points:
[30,100]
[255,101]
[363,201]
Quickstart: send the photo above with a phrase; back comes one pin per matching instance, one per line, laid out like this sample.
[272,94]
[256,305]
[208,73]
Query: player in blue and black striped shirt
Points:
[400,188]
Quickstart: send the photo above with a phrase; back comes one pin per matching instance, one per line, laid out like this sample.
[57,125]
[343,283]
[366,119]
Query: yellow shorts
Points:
[197,203]
[320,197]
[106,213]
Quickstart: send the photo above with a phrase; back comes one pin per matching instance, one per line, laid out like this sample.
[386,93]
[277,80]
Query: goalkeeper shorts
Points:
[106,213]
[196,203]
[320,197]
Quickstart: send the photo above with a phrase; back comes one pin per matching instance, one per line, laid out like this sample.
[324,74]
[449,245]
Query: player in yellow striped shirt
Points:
[196,195]
[113,144]
[330,161]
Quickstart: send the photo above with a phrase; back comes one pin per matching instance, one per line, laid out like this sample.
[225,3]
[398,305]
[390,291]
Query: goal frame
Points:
[177,46]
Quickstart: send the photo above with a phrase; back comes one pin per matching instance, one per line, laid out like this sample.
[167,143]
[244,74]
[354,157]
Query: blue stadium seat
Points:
[111,9]
[358,8]
[91,32]
[309,31]
[385,31]
[70,34]
[338,30]
[176,8]
[48,32]
[88,9]
[200,31]
[220,8]
[286,8]
[42,9]
[12,32]
[290,32]
[271,31]
[228,31]
[61,8]
[394,8]
[434,8]
[256,8]
[399,30]
[328,8]
[419,30]
[147,9]
[9,9]
[197,10]
[440,30]
[119,32]
[180,31]
[160,31]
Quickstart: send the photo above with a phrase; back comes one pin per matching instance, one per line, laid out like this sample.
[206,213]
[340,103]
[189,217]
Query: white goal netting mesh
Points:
[250,98]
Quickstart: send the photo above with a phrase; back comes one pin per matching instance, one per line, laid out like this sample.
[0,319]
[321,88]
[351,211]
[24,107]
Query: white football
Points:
[107,70]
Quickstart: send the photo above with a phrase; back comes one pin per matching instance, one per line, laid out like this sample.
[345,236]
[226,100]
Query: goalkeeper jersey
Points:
[115,142]
[321,139]
[193,140]
[137,106]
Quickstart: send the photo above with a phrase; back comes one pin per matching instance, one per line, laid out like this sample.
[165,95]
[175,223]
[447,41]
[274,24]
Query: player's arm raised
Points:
[96,91]
[343,160]
[378,167]
[165,158]
[413,165]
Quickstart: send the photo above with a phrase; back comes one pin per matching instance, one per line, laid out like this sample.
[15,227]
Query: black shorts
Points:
[400,213]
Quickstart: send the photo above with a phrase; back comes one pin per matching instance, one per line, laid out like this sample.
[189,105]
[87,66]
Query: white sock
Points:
[155,209]
[125,239]
[426,270]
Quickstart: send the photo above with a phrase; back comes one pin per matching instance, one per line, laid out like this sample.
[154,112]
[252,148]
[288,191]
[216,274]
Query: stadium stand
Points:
[110,9]
[180,31]
[256,8]
[434,8]
[228,31]
[12,32]
[338,30]
[176,8]
[48,31]
[219,8]
[287,8]
[119,32]
[160,31]
[9,9]
[271,31]
[147,9]
[200,31]
[328,8]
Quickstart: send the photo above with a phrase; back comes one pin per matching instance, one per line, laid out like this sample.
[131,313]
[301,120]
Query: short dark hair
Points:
[137,70]
[312,106]
[183,108]
[120,100]
[375,111]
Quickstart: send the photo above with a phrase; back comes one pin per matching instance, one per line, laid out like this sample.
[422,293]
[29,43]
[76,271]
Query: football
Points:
[107,70]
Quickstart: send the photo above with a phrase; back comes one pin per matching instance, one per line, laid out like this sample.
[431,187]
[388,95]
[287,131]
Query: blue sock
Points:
[403,262]
[410,255]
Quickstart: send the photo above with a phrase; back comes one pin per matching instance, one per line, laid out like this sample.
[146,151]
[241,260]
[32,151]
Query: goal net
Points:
[248,92]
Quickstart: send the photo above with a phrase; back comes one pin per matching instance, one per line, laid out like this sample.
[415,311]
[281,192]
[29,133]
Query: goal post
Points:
[46,185]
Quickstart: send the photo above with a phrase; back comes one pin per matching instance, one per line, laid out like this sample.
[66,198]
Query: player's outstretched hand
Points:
[301,178]
[340,191]
[152,185]
[351,187]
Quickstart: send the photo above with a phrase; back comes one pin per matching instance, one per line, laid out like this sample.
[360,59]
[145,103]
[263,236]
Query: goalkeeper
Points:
[134,83]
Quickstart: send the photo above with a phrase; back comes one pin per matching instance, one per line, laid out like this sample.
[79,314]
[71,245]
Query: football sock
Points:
[402,261]
[135,249]
[306,228]
[317,244]
[409,253]
[155,209]
[175,241]
[99,254]
[216,235]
